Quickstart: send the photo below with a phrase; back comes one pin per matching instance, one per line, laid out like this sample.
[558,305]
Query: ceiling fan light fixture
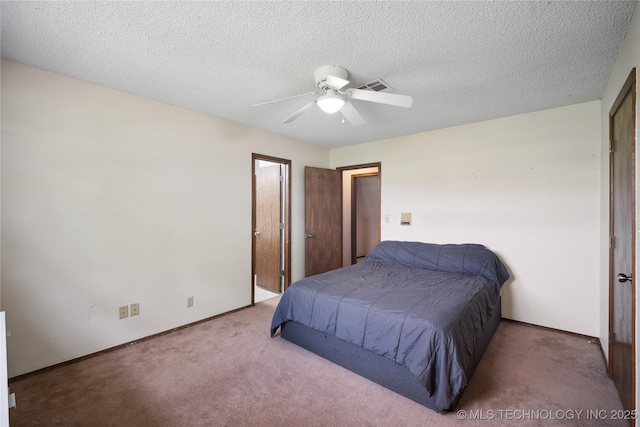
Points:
[331,102]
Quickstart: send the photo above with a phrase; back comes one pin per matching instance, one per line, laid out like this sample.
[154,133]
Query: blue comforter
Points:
[420,305]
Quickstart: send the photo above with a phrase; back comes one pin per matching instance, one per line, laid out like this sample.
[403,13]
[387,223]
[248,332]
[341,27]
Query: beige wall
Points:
[527,187]
[628,58]
[110,199]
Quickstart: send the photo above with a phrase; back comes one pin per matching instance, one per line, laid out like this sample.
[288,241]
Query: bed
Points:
[414,317]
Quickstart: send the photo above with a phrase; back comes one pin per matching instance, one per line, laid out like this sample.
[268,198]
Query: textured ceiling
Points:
[462,62]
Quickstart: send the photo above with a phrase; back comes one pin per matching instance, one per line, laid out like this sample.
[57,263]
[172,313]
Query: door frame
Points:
[628,86]
[352,211]
[286,176]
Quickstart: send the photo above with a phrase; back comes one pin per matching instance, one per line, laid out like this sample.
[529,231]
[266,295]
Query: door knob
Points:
[623,278]
[309,236]
[257,233]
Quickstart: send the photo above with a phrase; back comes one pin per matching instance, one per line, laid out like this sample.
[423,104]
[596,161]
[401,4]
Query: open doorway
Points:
[271,254]
[361,210]
[365,214]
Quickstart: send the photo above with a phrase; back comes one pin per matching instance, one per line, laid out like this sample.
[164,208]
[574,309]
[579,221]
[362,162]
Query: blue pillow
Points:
[465,258]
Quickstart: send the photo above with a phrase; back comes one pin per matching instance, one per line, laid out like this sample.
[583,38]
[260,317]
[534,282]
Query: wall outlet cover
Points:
[124,311]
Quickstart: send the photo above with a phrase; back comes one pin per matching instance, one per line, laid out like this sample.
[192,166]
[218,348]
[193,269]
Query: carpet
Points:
[229,372]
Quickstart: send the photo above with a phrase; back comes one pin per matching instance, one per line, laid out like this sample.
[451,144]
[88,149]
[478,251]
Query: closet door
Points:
[622,244]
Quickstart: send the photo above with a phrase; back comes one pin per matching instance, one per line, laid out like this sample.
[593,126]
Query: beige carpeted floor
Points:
[229,372]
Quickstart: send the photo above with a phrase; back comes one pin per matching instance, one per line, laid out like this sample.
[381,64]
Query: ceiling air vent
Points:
[376,86]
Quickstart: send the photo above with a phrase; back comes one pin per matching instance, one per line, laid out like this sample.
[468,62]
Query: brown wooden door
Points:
[267,231]
[622,248]
[323,220]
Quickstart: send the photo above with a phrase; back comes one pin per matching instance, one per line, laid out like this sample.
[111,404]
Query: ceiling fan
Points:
[331,80]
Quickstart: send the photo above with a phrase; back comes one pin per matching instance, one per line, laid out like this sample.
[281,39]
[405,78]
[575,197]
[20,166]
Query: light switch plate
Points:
[405,218]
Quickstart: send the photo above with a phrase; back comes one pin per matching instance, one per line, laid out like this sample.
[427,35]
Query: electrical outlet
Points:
[124,311]
[135,309]
[190,302]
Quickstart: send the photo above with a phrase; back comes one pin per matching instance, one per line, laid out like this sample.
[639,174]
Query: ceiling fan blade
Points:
[381,97]
[284,99]
[351,114]
[336,82]
[299,112]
